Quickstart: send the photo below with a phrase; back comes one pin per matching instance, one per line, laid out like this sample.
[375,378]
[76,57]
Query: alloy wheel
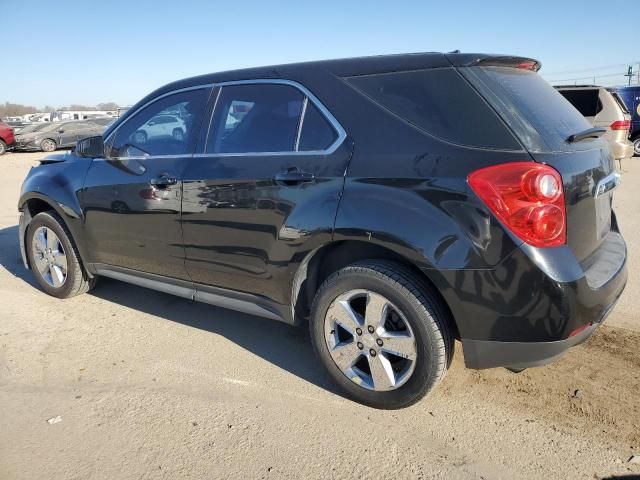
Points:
[636,147]
[47,146]
[370,340]
[49,257]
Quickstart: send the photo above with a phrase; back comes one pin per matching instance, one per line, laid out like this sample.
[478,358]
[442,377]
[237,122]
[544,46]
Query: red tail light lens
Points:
[621,125]
[527,197]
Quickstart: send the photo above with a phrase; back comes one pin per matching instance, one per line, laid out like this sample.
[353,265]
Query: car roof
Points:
[344,67]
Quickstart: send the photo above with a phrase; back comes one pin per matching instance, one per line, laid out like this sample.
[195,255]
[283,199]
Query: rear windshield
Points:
[586,101]
[440,102]
[541,117]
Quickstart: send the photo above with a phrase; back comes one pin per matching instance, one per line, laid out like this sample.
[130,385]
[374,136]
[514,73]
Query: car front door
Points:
[132,198]
[67,134]
[268,180]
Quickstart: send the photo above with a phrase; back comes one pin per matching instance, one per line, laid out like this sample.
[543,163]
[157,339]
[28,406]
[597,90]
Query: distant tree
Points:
[73,106]
[49,109]
[107,106]
[13,109]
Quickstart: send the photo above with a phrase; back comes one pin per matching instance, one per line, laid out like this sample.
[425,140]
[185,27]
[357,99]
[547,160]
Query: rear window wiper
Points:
[586,134]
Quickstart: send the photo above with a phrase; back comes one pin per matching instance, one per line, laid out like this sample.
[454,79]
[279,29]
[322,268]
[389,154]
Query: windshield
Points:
[34,127]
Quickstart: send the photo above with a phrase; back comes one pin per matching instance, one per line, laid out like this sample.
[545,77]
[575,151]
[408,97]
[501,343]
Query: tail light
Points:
[621,125]
[527,197]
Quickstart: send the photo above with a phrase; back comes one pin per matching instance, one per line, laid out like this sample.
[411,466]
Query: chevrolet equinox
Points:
[392,203]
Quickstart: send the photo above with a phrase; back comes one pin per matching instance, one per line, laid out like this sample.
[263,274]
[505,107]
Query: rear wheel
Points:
[53,257]
[636,146]
[48,145]
[381,334]
[3,147]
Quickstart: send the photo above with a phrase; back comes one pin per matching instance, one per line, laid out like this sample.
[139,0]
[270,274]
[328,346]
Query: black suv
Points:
[393,203]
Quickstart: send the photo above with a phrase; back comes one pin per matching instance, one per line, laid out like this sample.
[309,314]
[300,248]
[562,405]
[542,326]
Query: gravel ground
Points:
[130,383]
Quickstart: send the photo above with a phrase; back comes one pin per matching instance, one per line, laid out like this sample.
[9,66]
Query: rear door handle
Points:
[164,180]
[293,176]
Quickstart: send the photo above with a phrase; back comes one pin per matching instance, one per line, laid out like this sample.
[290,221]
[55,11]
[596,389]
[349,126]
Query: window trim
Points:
[341,133]
[340,138]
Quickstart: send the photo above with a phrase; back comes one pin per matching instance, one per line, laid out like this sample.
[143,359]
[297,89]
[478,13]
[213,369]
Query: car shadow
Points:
[282,345]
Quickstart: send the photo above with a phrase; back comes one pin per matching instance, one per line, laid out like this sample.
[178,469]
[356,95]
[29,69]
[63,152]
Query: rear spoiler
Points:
[478,59]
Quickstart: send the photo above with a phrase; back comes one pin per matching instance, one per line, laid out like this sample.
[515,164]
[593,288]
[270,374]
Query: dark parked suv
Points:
[394,203]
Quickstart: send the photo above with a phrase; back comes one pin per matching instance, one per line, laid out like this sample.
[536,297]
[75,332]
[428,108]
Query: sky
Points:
[86,52]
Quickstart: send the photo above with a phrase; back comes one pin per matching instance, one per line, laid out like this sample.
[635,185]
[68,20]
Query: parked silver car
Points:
[603,109]
[47,137]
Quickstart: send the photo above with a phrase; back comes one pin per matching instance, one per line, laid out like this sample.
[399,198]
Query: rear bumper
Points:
[622,149]
[482,354]
[535,304]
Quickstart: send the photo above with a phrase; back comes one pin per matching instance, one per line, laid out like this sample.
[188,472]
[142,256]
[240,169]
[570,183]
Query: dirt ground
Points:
[130,383]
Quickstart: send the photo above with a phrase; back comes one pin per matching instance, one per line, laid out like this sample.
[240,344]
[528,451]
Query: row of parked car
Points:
[49,136]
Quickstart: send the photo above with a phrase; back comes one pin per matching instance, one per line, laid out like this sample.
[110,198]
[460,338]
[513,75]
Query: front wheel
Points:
[48,145]
[54,258]
[3,147]
[381,333]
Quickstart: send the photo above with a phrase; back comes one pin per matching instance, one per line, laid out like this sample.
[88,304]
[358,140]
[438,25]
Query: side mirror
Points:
[91,147]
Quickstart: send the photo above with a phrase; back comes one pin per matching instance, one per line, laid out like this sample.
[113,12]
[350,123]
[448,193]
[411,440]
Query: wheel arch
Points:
[320,263]
[32,204]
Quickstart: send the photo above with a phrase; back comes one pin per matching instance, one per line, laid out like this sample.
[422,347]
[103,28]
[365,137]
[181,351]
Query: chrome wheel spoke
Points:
[376,310]
[343,315]
[40,241]
[52,240]
[60,260]
[57,276]
[345,355]
[399,344]
[381,372]
[41,264]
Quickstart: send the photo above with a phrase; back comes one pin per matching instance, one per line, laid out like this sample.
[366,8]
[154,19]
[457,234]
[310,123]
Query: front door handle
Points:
[293,176]
[163,180]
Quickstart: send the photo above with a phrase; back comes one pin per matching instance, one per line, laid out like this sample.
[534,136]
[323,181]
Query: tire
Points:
[3,147]
[75,281]
[413,305]
[636,146]
[48,145]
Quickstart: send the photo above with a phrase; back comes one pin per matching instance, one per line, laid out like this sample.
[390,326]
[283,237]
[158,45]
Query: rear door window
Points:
[587,102]
[440,102]
[256,118]
[316,133]
[541,117]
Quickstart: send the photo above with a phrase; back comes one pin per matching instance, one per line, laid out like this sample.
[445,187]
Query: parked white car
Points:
[161,126]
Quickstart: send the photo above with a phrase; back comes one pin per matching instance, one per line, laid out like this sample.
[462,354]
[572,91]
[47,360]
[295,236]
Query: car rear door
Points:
[265,186]
[132,199]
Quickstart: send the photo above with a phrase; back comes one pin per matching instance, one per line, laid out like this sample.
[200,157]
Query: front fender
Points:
[59,186]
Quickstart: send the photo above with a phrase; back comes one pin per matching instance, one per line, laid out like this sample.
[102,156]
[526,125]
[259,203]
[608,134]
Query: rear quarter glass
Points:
[539,115]
[440,102]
